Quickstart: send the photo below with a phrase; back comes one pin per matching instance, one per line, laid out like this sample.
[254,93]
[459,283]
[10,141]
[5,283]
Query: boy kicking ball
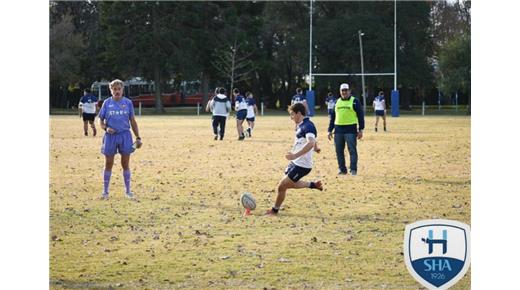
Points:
[300,157]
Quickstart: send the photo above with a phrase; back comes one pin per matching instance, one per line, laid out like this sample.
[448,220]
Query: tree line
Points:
[262,46]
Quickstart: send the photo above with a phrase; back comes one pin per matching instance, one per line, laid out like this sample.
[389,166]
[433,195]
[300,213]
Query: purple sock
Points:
[106,180]
[126,176]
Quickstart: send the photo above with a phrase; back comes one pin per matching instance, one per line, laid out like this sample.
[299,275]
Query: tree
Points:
[141,38]
[64,63]
[414,67]
[233,63]
[455,66]
[451,29]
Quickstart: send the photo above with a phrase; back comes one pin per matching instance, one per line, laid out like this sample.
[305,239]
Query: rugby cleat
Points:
[271,212]
[318,185]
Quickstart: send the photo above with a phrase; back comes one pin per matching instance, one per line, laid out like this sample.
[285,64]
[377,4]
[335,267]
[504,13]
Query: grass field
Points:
[186,231]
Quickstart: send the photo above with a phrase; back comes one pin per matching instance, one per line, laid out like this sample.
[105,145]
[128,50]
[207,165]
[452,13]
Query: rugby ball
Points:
[248,201]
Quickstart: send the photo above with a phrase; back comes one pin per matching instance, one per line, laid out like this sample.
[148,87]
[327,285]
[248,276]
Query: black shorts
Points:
[251,119]
[380,112]
[295,172]
[241,115]
[88,117]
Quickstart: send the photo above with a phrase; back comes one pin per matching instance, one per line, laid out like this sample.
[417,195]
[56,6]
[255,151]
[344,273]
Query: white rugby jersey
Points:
[304,130]
[240,103]
[88,104]
[250,107]
[379,103]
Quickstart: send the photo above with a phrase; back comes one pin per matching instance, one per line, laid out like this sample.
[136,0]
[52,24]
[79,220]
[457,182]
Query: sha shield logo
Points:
[437,252]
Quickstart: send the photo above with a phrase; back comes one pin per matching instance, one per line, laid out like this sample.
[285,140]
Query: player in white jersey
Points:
[252,110]
[241,108]
[300,157]
[88,107]
[380,109]
[300,98]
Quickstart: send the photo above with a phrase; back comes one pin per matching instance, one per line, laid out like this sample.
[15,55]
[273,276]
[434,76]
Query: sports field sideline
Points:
[186,231]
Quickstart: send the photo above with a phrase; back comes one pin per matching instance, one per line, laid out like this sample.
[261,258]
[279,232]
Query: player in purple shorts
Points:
[300,157]
[116,117]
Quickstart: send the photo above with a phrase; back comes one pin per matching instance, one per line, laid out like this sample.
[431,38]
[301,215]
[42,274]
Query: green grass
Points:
[186,229]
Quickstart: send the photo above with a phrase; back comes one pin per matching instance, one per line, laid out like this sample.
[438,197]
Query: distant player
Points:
[252,111]
[87,107]
[380,109]
[116,117]
[300,157]
[330,102]
[220,106]
[241,108]
[300,98]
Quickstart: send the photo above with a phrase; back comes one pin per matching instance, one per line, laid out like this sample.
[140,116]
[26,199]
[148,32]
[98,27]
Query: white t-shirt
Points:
[250,107]
[379,103]
[240,103]
[88,104]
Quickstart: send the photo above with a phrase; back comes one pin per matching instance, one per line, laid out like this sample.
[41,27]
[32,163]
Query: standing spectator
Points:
[349,114]
[220,106]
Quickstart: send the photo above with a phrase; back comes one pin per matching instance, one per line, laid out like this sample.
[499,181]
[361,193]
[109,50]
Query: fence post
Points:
[439,99]
[423,105]
[262,108]
[456,102]
[140,109]
[198,108]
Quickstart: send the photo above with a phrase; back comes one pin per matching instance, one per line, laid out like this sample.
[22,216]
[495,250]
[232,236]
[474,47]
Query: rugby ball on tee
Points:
[248,201]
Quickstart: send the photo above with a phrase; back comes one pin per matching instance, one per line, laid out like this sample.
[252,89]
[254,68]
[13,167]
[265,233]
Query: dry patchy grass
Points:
[186,230]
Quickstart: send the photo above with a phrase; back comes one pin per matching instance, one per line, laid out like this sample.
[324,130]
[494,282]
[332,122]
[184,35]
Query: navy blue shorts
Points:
[88,117]
[117,143]
[380,113]
[251,119]
[295,172]
[241,115]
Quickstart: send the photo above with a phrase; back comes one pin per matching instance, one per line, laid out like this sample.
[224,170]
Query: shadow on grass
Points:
[433,181]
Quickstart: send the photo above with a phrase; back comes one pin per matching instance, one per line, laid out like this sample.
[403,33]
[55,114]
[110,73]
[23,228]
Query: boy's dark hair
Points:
[248,94]
[222,91]
[298,107]
[87,90]
[329,94]
[299,90]
[236,91]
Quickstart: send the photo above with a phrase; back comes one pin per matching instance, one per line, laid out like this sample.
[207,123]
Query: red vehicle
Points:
[143,91]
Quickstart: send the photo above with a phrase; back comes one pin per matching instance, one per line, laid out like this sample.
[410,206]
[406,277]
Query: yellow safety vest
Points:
[345,114]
